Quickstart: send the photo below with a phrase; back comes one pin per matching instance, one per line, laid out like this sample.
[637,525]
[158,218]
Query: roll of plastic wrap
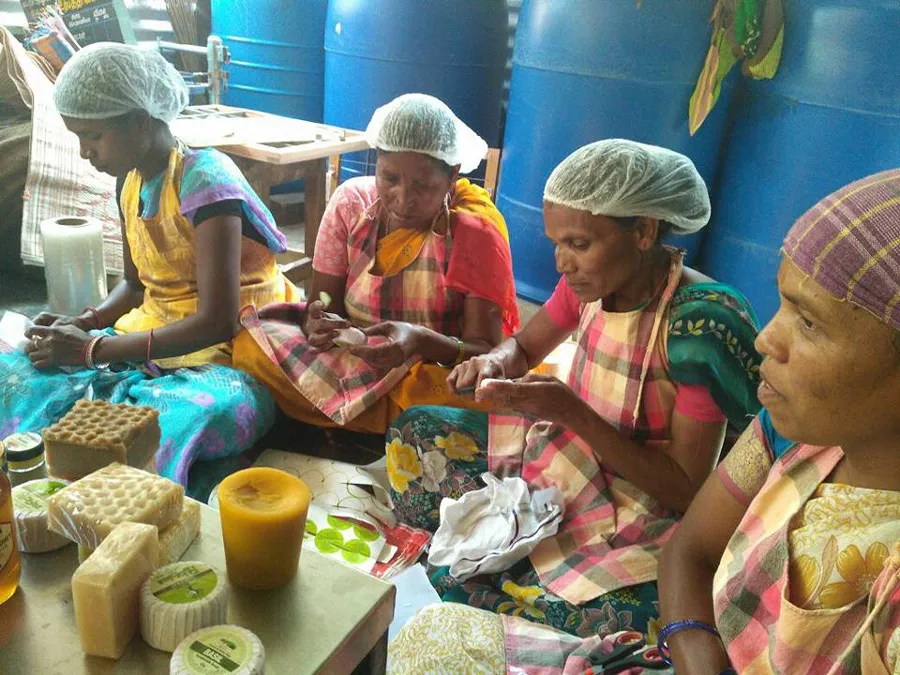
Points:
[73,263]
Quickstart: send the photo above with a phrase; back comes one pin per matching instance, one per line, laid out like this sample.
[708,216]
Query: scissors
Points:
[629,650]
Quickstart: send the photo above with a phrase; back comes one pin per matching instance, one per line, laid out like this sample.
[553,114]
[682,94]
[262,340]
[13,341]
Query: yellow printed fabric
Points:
[449,638]
[791,590]
[839,544]
[162,248]
[397,250]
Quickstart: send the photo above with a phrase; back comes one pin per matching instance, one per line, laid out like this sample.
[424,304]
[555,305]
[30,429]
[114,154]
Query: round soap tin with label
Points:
[219,650]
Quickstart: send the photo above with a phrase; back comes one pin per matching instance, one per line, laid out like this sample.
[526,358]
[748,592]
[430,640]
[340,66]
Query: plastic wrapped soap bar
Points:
[30,504]
[179,599]
[89,509]
[173,540]
[219,650]
[350,337]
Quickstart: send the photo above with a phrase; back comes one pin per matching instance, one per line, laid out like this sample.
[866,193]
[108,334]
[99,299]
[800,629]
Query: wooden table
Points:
[272,150]
[329,619]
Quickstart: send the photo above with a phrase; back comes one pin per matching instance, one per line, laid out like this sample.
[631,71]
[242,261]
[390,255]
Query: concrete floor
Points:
[23,291]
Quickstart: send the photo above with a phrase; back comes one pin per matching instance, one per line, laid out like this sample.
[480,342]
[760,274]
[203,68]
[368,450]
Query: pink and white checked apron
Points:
[612,532]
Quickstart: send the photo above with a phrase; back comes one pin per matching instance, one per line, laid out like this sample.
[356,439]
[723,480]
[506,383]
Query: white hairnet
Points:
[422,123]
[621,178]
[108,79]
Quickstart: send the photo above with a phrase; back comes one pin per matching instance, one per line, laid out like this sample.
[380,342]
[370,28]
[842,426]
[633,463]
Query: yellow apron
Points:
[162,248]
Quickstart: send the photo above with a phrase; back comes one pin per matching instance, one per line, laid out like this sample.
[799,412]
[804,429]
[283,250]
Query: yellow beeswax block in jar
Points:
[263,514]
[106,588]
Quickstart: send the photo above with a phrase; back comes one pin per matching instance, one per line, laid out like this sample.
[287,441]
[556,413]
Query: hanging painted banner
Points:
[89,21]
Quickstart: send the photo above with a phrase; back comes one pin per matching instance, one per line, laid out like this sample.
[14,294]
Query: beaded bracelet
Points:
[676,627]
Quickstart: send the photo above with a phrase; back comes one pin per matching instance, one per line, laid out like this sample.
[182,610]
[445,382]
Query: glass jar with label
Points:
[25,457]
[10,563]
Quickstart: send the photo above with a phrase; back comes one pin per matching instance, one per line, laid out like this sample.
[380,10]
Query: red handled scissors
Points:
[629,650]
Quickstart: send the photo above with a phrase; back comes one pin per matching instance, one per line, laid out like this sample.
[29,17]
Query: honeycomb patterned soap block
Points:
[173,540]
[96,433]
[89,509]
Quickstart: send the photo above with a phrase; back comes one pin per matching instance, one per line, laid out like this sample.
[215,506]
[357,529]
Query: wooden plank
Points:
[282,152]
[295,265]
[264,137]
[491,171]
[334,175]
[314,206]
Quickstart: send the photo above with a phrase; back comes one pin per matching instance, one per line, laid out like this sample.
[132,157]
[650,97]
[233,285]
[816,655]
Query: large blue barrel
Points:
[452,49]
[584,70]
[830,116]
[277,59]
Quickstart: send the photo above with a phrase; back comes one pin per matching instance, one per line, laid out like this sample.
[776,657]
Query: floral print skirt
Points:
[437,452]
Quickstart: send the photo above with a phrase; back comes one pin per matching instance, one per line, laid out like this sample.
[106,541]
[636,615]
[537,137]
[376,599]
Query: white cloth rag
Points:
[489,530]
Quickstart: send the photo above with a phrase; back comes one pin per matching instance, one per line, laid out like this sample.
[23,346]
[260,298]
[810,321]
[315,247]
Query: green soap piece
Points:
[356,551]
[329,541]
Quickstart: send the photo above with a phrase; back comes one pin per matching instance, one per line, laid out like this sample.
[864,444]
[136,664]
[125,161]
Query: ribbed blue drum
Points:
[829,117]
[584,70]
[452,49]
[277,56]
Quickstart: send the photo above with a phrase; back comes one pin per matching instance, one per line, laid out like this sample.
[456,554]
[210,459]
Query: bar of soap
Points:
[179,599]
[106,589]
[219,650]
[89,509]
[96,433]
[173,540]
[150,466]
[30,506]
[350,337]
[177,537]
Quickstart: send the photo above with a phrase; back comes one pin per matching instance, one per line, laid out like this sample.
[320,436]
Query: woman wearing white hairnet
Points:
[198,245]
[664,361]
[414,268]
